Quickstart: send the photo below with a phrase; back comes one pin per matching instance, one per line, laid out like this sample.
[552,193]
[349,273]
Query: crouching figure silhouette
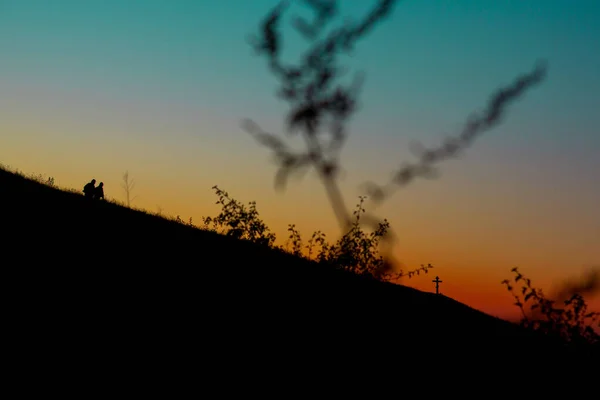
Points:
[99,191]
[89,189]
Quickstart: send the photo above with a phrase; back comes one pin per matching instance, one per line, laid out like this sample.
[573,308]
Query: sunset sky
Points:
[90,89]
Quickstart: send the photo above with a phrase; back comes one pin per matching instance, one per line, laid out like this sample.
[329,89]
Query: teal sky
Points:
[174,78]
[432,58]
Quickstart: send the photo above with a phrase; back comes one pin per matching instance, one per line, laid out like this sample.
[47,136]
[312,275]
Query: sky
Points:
[159,88]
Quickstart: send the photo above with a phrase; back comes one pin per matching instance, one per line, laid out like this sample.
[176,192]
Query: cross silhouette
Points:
[437,282]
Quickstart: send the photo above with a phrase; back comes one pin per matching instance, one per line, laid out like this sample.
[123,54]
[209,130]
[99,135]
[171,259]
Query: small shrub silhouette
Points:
[570,321]
[356,251]
[49,181]
[238,220]
[189,222]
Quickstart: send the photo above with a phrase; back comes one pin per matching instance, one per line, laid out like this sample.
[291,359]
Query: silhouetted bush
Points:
[189,222]
[570,321]
[238,220]
[356,251]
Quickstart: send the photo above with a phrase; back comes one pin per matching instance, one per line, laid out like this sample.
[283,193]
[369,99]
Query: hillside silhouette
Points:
[95,280]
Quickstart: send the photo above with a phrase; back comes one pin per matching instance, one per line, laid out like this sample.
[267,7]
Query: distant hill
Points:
[94,280]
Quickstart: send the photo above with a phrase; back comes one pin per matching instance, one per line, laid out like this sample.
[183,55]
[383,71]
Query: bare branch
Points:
[128,185]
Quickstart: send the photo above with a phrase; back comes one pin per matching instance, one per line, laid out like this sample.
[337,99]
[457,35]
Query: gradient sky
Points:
[159,88]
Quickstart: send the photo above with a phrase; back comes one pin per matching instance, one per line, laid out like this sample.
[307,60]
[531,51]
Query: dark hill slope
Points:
[96,280]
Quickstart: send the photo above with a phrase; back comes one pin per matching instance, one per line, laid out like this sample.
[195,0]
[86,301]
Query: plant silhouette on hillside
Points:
[321,106]
[239,221]
[356,251]
[570,321]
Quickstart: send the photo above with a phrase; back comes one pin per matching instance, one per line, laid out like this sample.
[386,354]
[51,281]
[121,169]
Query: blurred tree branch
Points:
[321,106]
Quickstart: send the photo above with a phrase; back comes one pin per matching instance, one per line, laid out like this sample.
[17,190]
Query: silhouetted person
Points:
[99,191]
[89,189]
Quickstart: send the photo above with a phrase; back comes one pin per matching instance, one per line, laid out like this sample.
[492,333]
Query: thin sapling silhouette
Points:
[128,185]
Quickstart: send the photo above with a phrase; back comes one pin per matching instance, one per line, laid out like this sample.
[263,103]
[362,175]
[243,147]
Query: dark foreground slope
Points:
[95,283]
